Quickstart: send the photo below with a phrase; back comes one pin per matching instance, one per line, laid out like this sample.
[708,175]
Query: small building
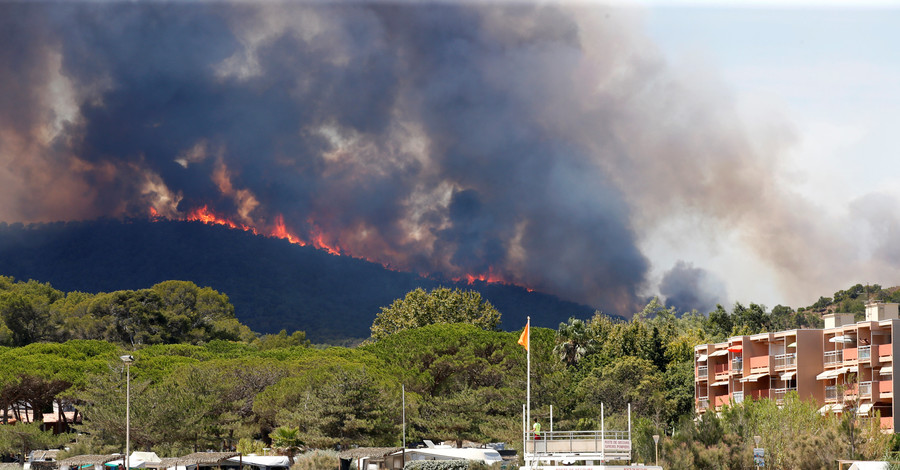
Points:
[366,458]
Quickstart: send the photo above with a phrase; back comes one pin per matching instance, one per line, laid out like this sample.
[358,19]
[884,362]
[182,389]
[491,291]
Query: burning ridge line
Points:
[279,231]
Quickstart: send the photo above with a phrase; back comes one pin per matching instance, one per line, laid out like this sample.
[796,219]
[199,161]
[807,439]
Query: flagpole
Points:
[528,378]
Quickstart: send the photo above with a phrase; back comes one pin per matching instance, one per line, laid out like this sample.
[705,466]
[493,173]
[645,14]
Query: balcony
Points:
[885,350]
[779,393]
[759,364]
[722,400]
[831,393]
[703,403]
[865,389]
[721,371]
[737,365]
[785,361]
[885,388]
[887,423]
[865,353]
[833,358]
[850,354]
[738,397]
[702,372]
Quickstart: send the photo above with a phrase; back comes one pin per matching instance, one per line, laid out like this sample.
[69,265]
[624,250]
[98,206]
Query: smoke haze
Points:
[537,144]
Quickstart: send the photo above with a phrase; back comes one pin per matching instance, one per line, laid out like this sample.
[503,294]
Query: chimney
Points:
[877,311]
[834,320]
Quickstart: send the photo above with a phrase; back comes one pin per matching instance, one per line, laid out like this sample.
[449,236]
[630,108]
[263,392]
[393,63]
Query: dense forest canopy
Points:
[228,387]
[272,283]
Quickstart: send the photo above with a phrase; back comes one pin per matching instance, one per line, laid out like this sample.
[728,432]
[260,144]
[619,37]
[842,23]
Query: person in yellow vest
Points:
[537,429]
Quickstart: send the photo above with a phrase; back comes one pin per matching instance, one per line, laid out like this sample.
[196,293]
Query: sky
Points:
[827,73]
[604,153]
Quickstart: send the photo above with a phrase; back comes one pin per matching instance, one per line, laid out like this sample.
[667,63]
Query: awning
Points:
[736,348]
[716,384]
[842,339]
[833,408]
[830,374]
[853,369]
[718,353]
[753,377]
[702,358]
[792,345]
[788,375]
[887,370]
[864,408]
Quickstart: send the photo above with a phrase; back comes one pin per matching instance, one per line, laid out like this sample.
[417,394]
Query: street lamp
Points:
[128,360]
[656,444]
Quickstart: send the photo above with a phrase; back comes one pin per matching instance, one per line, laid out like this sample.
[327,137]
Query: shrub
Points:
[317,460]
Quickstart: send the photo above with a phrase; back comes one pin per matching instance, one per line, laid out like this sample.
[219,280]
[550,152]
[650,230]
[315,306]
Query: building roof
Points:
[88,459]
[869,466]
[44,454]
[165,462]
[367,452]
[206,458]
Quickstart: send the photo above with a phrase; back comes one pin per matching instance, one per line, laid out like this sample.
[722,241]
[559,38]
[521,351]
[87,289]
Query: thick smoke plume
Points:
[536,144]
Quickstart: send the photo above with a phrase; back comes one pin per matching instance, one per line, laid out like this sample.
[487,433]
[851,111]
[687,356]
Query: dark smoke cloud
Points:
[533,142]
[687,288]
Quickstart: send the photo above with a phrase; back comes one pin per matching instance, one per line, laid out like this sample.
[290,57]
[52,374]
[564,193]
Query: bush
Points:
[317,460]
[447,465]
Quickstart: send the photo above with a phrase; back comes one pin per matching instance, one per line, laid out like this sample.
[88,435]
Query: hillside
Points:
[273,284]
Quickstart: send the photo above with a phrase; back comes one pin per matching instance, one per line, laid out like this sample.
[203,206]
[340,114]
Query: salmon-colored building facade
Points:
[846,366]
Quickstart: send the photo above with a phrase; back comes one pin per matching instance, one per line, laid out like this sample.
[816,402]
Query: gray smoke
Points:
[687,288]
[535,143]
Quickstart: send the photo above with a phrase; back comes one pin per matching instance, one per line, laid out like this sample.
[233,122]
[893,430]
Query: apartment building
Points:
[845,367]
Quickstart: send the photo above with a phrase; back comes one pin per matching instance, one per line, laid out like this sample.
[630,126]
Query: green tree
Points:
[287,441]
[22,438]
[573,341]
[463,373]
[27,315]
[441,305]
[281,340]
[334,402]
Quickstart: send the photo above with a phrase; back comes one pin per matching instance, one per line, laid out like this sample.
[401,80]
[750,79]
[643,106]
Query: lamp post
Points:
[656,444]
[128,360]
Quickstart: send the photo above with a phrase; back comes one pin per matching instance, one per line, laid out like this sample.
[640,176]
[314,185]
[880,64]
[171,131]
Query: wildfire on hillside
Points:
[317,240]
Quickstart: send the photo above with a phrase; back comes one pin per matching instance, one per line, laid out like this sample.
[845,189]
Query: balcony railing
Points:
[738,397]
[779,393]
[885,350]
[703,403]
[721,369]
[759,363]
[785,361]
[833,357]
[703,372]
[885,388]
[737,364]
[865,389]
[865,353]
[831,393]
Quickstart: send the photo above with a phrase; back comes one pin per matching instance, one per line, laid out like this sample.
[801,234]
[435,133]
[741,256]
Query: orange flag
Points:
[523,338]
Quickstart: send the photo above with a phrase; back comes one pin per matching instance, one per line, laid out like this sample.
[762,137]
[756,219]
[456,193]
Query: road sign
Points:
[759,457]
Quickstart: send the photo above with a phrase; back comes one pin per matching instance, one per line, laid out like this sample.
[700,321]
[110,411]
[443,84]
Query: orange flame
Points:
[280,231]
[317,240]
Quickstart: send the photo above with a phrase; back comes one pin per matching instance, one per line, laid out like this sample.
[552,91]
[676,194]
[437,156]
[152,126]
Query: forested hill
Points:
[273,284]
